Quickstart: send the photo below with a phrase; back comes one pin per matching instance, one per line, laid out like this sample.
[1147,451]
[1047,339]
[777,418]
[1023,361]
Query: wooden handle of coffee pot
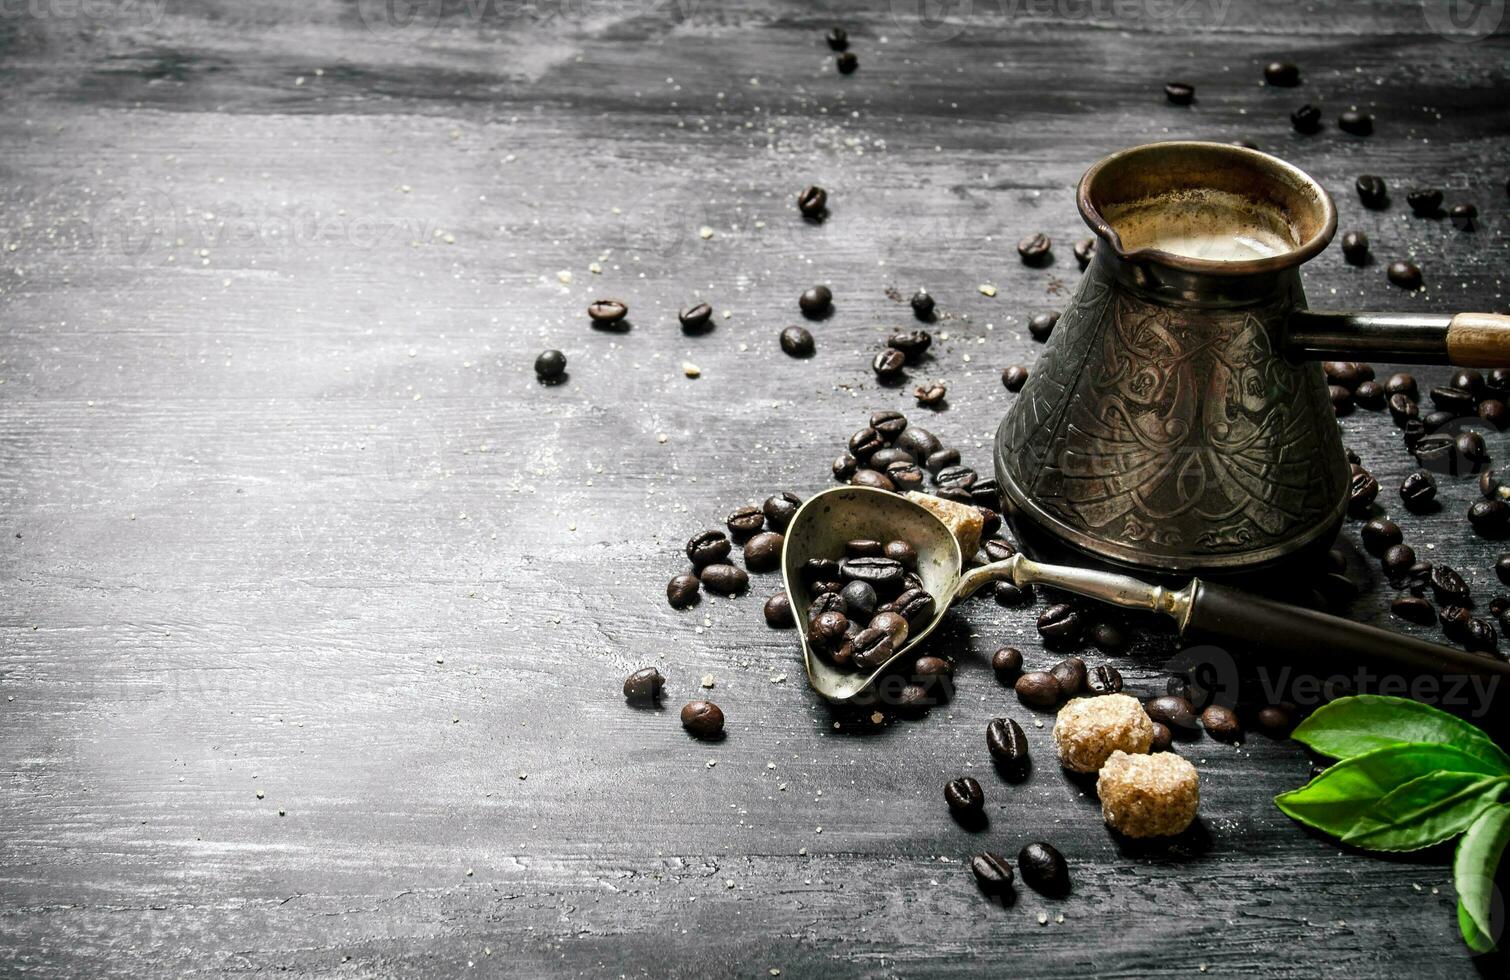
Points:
[1464,339]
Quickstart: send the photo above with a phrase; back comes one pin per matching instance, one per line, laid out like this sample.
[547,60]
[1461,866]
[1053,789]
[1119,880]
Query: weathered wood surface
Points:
[286,511]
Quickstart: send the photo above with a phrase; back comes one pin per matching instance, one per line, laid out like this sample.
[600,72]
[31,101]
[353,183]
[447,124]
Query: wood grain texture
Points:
[286,511]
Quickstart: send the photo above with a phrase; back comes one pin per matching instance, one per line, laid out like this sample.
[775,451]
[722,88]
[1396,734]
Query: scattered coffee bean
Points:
[1492,487]
[812,201]
[1455,623]
[923,305]
[1282,74]
[724,579]
[1369,395]
[1406,275]
[1163,739]
[1418,579]
[1172,710]
[816,302]
[1413,609]
[992,873]
[1472,449]
[906,475]
[873,479]
[696,319]
[550,365]
[643,686]
[607,311]
[778,612]
[1108,637]
[1403,408]
[1425,202]
[956,477]
[1014,377]
[888,363]
[1480,636]
[1306,119]
[1401,384]
[1070,673]
[847,63]
[1007,744]
[1060,624]
[1436,420]
[998,550]
[1490,518]
[780,508]
[931,394]
[932,669]
[1356,122]
[1469,380]
[1495,412]
[708,548]
[1397,561]
[1448,586]
[1276,720]
[1373,193]
[763,551]
[1043,868]
[1007,664]
[1041,325]
[1179,93]
[1037,688]
[838,38]
[1355,248]
[1012,595]
[1085,248]
[1502,569]
[1221,723]
[1464,216]
[797,342]
[1499,603]
[745,521]
[941,460]
[1362,489]
[1458,401]
[1342,399]
[844,467]
[1103,679]
[1379,535]
[964,797]
[888,423]
[1344,374]
[1035,249]
[919,442]
[682,590]
[913,344]
[703,719]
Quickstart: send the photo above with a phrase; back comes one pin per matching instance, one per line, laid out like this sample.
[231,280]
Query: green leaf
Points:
[1334,800]
[1425,811]
[1352,726]
[1473,870]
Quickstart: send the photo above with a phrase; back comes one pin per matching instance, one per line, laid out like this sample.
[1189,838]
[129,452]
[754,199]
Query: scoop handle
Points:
[1221,614]
[1463,339]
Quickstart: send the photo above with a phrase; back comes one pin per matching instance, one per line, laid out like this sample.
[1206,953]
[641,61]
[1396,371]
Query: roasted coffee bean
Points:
[1103,679]
[1501,602]
[1411,433]
[992,873]
[1401,384]
[888,423]
[894,625]
[780,509]
[1418,579]
[1413,609]
[922,305]
[820,570]
[862,548]
[1070,674]
[906,475]
[929,670]
[797,342]
[1434,421]
[745,521]
[1379,535]
[1035,249]
[1355,248]
[1469,380]
[708,548]
[607,311]
[681,591]
[872,648]
[1494,411]
[1172,710]
[1007,664]
[1492,486]
[919,442]
[550,365]
[1306,119]
[916,605]
[1397,561]
[827,629]
[724,579]
[1502,569]
[941,460]
[1060,624]
[1108,637]
[1472,450]
[1179,93]
[1406,275]
[1372,191]
[1043,869]
[859,600]
[1490,518]
[696,319]
[1356,122]
[1426,202]
[1007,744]
[1454,400]
[1362,489]
[964,797]
[990,520]
[838,38]
[816,301]
[1342,399]
[902,553]
[1480,636]
[1403,408]
[847,63]
[883,574]
[957,494]
[643,686]
[1041,325]
[703,719]
[1347,374]
[1163,739]
[1276,720]
[812,201]
[1012,595]
[956,477]
[1369,395]
[930,394]
[1221,723]
[1037,688]
[844,467]
[763,551]
[1084,249]
[1464,217]
[1448,586]
[778,612]
[998,550]
[872,478]
[1455,620]
[1014,377]
[912,345]
[1437,452]
[865,443]
[1282,74]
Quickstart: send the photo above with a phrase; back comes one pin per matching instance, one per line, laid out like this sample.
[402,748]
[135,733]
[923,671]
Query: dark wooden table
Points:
[304,574]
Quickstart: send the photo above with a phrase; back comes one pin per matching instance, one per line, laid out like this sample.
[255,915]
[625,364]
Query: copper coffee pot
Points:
[1177,420]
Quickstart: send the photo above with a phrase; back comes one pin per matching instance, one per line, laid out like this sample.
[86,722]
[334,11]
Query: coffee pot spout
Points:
[1462,339]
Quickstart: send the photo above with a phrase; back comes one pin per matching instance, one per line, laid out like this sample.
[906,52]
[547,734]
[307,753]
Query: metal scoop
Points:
[1217,613]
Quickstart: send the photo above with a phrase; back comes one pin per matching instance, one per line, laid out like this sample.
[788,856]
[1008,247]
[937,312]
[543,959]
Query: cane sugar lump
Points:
[1148,795]
[962,520]
[1088,730]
